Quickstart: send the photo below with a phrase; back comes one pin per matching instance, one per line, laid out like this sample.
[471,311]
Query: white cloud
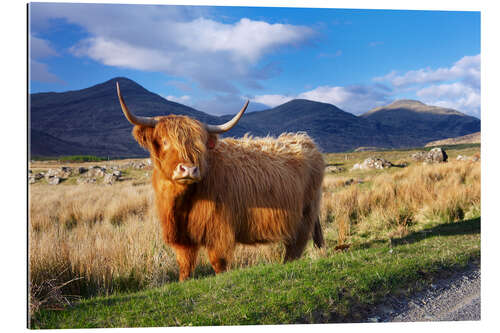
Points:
[179,99]
[272,100]
[463,95]
[467,68]
[40,72]
[40,49]
[118,53]
[246,39]
[354,99]
[456,96]
[457,86]
[176,40]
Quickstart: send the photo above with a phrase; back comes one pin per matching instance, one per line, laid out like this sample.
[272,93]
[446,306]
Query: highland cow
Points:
[215,193]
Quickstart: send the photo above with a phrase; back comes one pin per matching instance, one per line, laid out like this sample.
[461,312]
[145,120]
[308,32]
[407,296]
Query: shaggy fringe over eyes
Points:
[185,135]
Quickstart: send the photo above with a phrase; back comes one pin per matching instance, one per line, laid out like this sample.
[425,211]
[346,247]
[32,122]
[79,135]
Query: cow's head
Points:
[178,144]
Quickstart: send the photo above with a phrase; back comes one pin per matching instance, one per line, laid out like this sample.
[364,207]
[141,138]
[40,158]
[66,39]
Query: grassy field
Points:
[386,231]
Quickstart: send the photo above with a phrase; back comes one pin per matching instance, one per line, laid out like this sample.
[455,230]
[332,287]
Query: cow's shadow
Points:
[202,271]
[465,227]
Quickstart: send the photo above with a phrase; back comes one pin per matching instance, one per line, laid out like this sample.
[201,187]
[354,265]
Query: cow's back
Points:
[256,189]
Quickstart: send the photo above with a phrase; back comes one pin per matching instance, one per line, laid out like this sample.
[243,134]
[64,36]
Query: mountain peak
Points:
[413,106]
[406,102]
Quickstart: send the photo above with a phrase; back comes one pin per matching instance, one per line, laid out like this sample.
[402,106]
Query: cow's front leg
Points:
[186,259]
[220,259]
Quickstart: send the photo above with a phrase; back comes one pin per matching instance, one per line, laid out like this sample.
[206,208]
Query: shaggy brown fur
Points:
[252,190]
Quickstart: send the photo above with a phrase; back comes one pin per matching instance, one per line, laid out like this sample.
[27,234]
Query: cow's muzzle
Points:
[186,174]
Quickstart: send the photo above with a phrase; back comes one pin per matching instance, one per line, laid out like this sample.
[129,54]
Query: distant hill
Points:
[469,138]
[417,123]
[332,128]
[90,121]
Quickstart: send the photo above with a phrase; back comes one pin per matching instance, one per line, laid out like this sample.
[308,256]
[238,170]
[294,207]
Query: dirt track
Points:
[457,298]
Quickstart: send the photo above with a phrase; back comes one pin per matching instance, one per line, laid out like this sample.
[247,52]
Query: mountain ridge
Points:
[91,120]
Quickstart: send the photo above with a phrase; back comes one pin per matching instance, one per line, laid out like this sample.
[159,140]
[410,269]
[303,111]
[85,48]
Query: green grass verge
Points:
[340,288]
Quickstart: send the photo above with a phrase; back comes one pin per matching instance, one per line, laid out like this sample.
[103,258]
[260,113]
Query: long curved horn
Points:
[133,119]
[230,124]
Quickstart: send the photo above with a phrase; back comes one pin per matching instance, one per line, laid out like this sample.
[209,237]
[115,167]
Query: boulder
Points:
[419,156]
[80,170]
[110,178]
[137,164]
[334,169]
[95,172]
[86,180]
[54,180]
[34,177]
[65,172]
[473,158]
[62,172]
[436,155]
[373,163]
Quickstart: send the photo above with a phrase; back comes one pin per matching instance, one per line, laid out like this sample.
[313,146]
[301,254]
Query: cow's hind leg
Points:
[220,259]
[294,247]
[186,259]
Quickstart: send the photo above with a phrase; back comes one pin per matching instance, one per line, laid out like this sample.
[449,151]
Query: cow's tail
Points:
[318,235]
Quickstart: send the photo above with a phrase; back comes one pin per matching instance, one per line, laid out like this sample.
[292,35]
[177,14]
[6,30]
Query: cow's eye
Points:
[166,144]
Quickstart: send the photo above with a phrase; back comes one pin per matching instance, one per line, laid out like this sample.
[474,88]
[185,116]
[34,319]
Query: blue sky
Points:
[213,58]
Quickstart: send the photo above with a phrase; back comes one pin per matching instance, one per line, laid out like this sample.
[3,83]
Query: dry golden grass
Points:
[410,197]
[109,237]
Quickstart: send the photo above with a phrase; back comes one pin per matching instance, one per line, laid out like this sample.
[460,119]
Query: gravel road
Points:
[456,298]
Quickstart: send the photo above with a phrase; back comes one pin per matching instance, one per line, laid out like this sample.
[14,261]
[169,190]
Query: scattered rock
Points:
[34,177]
[419,156]
[135,165]
[373,163]
[86,180]
[81,170]
[436,155]
[62,172]
[473,158]
[110,178]
[95,172]
[54,180]
[334,169]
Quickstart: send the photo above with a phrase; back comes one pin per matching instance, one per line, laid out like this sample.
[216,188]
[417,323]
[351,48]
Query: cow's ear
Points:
[212,140]
[144,136]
